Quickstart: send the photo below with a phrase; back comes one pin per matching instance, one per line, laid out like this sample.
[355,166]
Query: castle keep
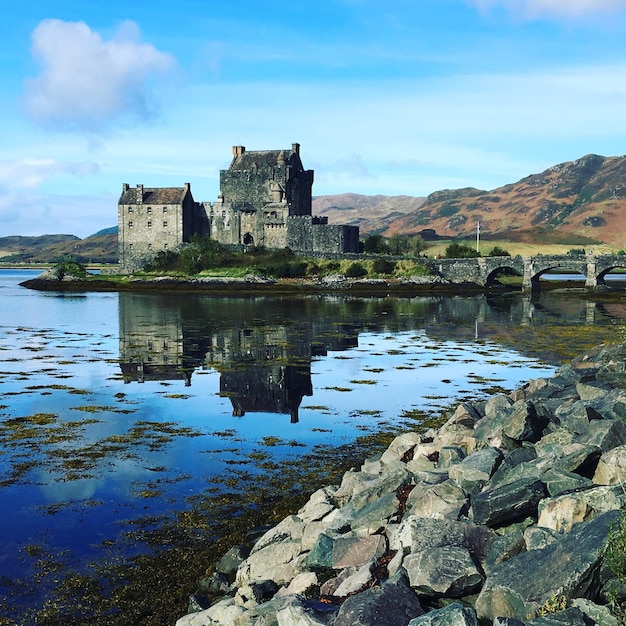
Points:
[264,200]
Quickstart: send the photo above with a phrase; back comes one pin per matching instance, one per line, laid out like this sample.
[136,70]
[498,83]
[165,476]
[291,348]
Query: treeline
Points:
[206,255]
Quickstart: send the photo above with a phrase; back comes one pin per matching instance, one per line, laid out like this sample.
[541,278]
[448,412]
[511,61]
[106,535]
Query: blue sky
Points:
[395,97]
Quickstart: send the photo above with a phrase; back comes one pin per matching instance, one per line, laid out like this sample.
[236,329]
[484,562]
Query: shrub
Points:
[497,251]
[284,269]
[460,251]
[356,270]
[383,266]
[576,252]
[70,267]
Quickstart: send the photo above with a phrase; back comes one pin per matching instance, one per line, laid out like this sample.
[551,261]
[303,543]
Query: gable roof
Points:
[154,195]
[261,159]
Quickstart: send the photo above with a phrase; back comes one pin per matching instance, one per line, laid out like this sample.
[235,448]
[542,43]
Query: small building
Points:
[153,219]
[265,200]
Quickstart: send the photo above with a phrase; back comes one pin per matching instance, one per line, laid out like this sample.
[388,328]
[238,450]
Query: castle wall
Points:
[144,230]
[275,236]
[309,234]
[249,188]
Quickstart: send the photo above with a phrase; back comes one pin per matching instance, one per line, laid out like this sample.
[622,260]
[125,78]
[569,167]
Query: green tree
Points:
[375,244]
[405,245]
[461,251]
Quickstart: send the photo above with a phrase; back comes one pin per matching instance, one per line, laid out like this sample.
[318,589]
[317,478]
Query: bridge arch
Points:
[536,267]
[606,269]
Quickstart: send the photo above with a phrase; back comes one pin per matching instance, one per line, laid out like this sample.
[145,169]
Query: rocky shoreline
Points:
[500,517]
[53,280]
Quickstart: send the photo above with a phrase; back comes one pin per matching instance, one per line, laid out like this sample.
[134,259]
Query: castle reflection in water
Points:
[263,346]
[264,361]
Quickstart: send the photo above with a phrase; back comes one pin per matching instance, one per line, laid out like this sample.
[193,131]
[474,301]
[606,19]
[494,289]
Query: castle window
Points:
[164,223]
[149,224]
[130,209]
[149,209]
[149,246]
[164,246]
[164,209]
[130,224]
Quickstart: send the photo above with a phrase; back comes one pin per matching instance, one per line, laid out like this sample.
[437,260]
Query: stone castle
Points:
[264,200]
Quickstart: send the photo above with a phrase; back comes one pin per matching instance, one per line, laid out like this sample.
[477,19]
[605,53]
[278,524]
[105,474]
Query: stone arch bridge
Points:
[483,270]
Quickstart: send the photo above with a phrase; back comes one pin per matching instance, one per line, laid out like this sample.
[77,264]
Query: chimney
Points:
[238,150]
[295,147]
[125,187]
[187,186]
[139,194]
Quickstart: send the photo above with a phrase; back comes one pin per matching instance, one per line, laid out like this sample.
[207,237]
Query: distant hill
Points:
[372,214]
[582,200]
[99,248]
[106,231]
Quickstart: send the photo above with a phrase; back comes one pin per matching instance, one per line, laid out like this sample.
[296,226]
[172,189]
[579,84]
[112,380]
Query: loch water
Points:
[116,407]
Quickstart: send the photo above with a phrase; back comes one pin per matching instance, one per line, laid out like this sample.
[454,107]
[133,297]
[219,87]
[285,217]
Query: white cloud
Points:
[28,210]
[37,213]
[556,8]
[86,82]
[31,173]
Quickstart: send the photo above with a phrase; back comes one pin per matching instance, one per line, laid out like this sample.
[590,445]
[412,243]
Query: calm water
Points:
[120,406]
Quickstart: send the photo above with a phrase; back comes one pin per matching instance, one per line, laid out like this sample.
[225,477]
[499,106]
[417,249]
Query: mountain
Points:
[98,248]
[582,200]
[372,214]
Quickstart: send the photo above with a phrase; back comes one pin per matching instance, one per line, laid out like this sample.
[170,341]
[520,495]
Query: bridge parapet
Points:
[483,270]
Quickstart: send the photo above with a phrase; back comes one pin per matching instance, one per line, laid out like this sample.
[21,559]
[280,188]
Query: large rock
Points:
[524,423]
[391,604]
[415,535]
[570,567]
[448,572]
[320,504]
[223,612]
[508,503]
[569,617]
[275,562]
[296,613]
[357,551]
[473,472]
[446,499]
[611,467]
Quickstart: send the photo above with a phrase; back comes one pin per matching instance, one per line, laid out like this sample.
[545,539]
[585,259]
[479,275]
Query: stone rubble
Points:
[499,517]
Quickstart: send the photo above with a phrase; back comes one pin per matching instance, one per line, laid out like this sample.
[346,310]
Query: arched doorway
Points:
[248,239]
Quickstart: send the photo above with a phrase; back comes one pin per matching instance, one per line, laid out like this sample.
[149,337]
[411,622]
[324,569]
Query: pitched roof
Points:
[154,195]
[260,158]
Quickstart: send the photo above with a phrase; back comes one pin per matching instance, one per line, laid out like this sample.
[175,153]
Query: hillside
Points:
[578,201]
[372,214]
[99,248]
